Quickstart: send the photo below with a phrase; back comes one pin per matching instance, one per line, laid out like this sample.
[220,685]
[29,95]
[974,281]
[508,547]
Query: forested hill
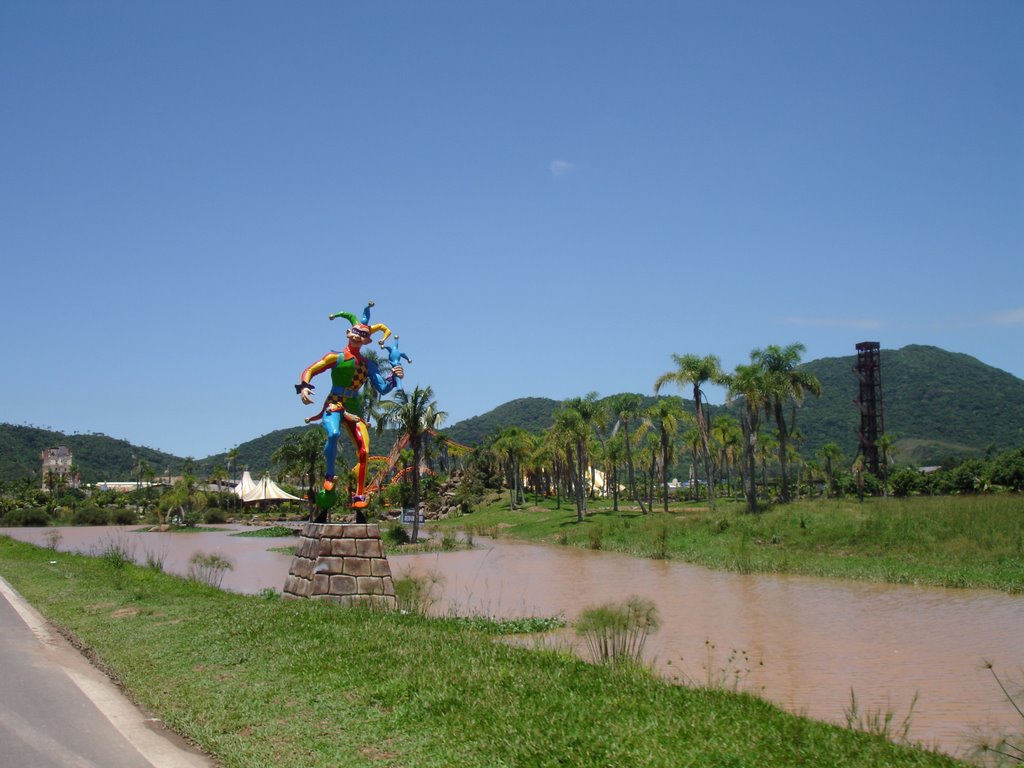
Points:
[530,413]
[937,405]
[97,456]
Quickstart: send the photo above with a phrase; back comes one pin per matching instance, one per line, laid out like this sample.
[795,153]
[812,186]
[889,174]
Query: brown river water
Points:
[801,642]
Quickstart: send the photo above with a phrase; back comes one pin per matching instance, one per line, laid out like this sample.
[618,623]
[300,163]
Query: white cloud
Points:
[1006,317]
[561,167]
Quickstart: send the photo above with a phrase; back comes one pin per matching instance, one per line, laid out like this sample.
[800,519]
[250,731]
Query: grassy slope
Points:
[264,682]
[958,541]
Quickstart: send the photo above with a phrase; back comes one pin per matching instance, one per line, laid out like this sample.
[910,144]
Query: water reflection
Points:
[817,638]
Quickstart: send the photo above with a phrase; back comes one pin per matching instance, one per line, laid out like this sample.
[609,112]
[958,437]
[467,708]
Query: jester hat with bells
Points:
[361,325]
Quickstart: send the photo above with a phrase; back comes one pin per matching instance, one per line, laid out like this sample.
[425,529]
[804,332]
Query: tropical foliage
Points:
[415,414]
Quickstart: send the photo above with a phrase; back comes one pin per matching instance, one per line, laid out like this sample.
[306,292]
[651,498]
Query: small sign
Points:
[407,515]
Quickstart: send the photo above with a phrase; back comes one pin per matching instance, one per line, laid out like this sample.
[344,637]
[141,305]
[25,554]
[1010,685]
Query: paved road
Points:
[58,711]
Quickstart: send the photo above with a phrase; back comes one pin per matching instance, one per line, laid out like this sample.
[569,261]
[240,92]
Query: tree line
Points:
[751,452]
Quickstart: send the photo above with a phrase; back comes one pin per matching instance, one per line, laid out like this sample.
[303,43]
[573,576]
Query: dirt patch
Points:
[375,753]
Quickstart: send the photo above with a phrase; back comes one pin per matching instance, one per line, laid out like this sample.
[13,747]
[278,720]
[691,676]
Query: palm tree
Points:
[727,437]
[574,424]
[185,498]
[514,445]
[831,454]
[858,469]
[302,455]
[649,450]
[217,477]
[767,448]
[415,414]
[786,383]
[748,382]
[885,444]
[149,474]
[666,415]
[539,465]
[230,459]
[696,371]
[614,456]
[624,409]
[691,439]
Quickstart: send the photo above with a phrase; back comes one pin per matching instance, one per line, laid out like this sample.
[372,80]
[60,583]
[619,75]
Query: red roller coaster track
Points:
[392,459]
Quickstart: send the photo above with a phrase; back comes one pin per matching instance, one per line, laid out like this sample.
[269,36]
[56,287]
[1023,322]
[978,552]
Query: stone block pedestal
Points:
[342,563]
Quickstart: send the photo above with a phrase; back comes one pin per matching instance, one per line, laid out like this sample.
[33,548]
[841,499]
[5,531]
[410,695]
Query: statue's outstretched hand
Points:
[399,372]
[306,395]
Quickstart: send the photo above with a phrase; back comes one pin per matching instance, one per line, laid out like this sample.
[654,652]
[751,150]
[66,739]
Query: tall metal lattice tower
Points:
[869,401]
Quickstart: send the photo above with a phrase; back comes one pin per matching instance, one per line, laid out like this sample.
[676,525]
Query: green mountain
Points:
[530,413]
[938,405]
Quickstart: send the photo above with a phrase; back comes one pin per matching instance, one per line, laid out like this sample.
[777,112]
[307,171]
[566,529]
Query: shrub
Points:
[1008,470]
[905,481]
[71,497]
[90,516]
[660,539]
[216,516]
[124,516]
[969,477]
[396,534]
[28,517]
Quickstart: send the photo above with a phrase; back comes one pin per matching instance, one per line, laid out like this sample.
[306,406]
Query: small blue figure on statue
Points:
[395,357]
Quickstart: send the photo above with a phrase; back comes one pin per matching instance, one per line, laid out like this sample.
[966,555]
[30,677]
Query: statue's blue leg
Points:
[331,423]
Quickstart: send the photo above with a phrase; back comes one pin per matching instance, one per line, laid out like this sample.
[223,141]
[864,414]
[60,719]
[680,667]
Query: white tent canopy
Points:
[245,485]
[267,490]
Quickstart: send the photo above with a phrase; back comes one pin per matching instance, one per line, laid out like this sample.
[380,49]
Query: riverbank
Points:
[259,681]
[974,542]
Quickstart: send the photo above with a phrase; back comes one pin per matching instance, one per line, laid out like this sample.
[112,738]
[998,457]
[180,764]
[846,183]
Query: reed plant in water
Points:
[878,721]
[729,675]
[1006,748]
[418,593]
[617,632]
[117,551]
[209,569]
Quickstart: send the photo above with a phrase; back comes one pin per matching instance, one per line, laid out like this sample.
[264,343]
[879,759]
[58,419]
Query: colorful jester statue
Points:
[349,371]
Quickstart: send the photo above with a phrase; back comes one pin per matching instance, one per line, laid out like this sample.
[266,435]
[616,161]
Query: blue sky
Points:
[543,198]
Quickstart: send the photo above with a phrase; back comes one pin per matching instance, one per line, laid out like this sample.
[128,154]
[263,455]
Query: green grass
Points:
[258,681]
[954,541]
